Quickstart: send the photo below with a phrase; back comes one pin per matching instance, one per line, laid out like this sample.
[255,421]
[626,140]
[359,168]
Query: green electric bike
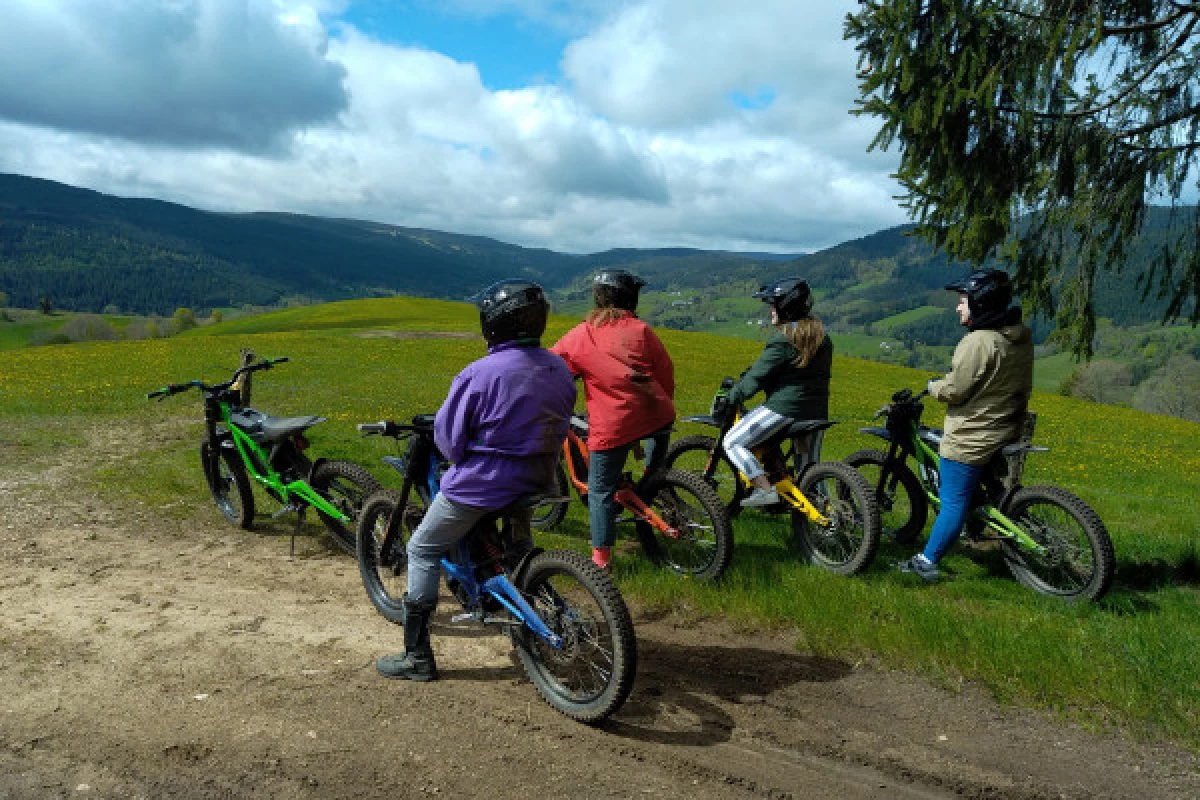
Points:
[1052,541]
[241,443]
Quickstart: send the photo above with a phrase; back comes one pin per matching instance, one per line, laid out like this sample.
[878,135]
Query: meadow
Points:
[1129,660]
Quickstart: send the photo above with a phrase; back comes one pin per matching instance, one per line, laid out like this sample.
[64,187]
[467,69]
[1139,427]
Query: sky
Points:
[575,125]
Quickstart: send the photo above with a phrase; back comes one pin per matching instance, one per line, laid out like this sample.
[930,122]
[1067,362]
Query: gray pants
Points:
[444,524]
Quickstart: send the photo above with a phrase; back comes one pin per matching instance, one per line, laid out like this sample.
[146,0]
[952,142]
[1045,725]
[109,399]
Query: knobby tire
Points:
[684,501]
[590,678]
[903,506]
[691,454]
[848,543]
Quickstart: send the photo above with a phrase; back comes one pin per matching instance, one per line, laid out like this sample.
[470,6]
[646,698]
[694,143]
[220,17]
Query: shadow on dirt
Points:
[673,700]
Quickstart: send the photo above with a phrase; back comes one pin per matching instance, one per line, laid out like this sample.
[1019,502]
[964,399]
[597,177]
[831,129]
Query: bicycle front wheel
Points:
[1078,561]
[847,541]
[700,543]
[591,674]
[228,484]
[384,528]
[691,454]
[549,514]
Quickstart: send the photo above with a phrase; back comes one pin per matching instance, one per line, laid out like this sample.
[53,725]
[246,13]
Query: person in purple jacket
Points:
[501,427]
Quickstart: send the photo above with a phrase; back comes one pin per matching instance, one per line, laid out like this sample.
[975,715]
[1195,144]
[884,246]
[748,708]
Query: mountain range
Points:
[87,251]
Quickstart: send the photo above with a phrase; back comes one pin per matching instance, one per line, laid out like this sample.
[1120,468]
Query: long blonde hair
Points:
[805,335]
[602,316]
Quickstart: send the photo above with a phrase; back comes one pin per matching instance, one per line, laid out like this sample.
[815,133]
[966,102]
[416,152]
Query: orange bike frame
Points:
[626,497]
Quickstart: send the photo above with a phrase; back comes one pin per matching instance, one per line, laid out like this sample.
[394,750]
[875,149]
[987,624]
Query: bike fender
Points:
[313,469]
[703,420]
[518,574]
[882,433]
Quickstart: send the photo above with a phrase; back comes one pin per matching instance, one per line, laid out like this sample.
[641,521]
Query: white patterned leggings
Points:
[757,426]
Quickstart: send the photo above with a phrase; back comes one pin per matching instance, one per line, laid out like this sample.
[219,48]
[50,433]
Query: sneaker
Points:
[760,497]
[920,565]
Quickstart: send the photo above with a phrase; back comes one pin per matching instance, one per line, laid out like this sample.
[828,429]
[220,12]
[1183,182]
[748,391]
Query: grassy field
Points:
[1129,660]
[905,317]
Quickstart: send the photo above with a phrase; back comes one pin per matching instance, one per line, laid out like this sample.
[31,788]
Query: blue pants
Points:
[958,482]
[604,476]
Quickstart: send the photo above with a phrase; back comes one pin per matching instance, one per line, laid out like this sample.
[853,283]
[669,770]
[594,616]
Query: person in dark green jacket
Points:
[793,371]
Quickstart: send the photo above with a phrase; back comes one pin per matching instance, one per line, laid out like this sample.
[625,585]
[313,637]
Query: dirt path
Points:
[152,660]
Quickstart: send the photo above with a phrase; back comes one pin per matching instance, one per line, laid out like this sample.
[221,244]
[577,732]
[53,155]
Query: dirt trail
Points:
[148,659]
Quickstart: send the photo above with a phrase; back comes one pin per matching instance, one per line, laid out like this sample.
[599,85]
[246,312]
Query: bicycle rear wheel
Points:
[590,676]
[1078,563]
[346,487]
[847,542]
[702,545]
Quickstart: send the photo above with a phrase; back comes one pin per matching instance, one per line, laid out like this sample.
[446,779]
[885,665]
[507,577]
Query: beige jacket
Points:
[987,392]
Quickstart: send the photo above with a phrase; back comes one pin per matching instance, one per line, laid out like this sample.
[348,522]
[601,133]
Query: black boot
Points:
[416,662]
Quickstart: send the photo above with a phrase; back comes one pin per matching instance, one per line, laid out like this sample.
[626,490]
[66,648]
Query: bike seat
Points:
[803,426]
[264,429]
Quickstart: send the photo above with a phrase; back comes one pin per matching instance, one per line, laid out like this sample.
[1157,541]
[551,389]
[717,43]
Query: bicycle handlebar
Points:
[389,427]
[176,388]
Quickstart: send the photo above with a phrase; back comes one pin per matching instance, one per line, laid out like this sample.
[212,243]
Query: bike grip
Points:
[368,428]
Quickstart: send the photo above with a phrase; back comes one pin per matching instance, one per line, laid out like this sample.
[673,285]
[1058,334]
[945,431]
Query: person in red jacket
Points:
[629,385]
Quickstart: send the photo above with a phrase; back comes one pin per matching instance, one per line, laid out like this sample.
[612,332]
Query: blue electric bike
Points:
[565,616]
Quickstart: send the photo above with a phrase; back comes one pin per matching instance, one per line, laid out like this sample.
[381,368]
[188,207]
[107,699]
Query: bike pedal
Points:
[465,617]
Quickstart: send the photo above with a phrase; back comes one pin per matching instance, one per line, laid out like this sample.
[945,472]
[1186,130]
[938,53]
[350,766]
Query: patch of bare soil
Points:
[149,659]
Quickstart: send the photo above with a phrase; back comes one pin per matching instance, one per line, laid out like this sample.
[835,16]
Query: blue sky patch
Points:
[762,99]
[510,51]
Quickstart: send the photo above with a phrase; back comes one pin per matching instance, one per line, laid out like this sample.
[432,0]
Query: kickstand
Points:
[296,530]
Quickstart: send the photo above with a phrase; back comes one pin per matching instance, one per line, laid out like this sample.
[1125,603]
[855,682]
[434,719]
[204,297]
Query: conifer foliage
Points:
[1037,131]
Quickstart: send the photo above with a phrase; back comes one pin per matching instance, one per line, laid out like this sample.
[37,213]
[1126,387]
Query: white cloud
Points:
[190,72]
[644,151]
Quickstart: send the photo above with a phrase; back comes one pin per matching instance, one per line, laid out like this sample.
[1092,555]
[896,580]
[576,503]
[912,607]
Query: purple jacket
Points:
[503,424]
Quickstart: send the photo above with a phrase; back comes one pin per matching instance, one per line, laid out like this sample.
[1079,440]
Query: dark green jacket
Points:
[796,392]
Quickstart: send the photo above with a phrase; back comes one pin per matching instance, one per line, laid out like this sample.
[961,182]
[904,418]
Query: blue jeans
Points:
[958,482]
[604,476]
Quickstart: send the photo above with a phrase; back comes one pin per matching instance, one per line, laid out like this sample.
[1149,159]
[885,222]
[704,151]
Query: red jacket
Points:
[628,379]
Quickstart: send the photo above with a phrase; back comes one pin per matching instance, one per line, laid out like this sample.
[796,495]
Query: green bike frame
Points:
[905,438]
[219,399]
[259,467]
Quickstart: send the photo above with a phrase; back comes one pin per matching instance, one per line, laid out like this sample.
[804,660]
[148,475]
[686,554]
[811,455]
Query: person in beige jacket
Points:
[987,393]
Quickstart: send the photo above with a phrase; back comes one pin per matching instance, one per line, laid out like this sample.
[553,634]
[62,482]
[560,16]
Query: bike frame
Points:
[786,487]
[258,464]
[578,461]
[218,407]
[929,465]
[420,464]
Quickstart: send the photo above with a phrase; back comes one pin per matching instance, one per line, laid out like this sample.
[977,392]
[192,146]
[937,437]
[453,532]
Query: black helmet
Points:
[791,298]
[620,279]
[989,293]
[616,288]
[512,309]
